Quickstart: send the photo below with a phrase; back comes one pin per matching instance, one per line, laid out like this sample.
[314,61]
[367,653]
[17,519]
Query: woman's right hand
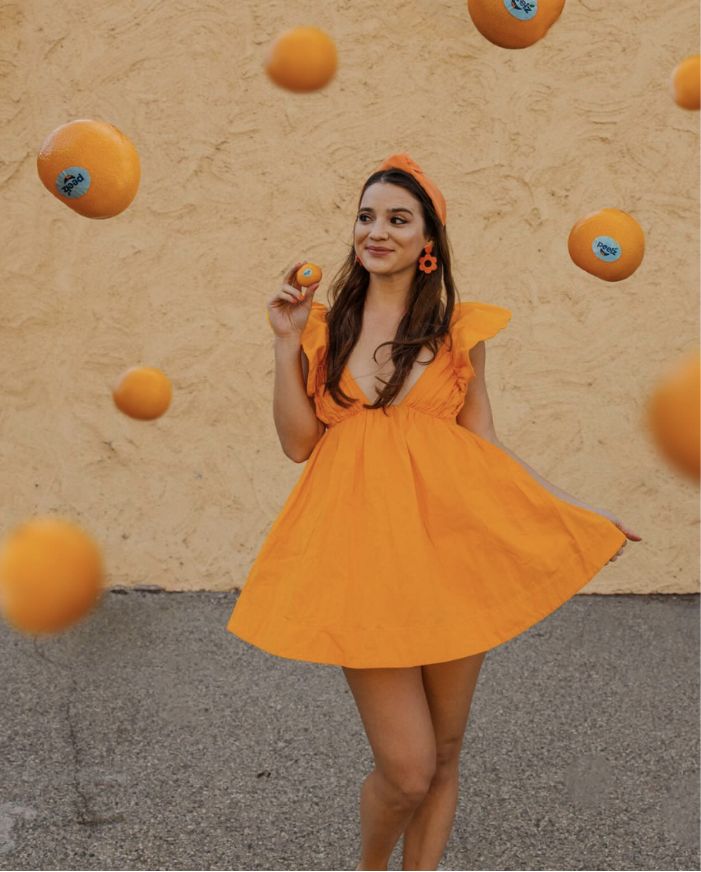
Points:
[289,307]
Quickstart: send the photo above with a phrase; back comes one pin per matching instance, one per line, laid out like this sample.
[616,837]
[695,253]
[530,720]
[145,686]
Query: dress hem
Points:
[454,645]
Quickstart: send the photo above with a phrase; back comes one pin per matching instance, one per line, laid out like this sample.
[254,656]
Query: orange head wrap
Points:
[404,162]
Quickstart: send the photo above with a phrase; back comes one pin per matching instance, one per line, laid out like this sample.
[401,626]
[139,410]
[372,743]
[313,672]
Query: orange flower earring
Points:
[427,262]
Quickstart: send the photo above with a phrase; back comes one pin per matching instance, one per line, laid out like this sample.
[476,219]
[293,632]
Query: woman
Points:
[414,540]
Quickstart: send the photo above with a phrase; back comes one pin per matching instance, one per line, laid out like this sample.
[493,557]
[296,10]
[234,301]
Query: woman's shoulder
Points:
[314,339]
[474,320]
[478,309]
[314,332]
[316,319]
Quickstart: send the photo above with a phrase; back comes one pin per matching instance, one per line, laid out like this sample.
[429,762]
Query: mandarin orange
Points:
[91,166]
[51,575]
[672,414]
[685,82]
[143,392]
[302,59]
[514,23]
[608,243]
[307,274]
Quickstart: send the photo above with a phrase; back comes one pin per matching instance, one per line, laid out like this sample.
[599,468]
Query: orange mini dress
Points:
[408,539]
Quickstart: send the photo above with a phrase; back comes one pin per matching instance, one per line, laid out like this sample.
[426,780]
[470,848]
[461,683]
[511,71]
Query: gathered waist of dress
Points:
[398,412]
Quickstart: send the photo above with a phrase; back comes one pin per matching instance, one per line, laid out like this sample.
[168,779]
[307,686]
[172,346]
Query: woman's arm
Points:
[476,416]
[563,495]
[297,426]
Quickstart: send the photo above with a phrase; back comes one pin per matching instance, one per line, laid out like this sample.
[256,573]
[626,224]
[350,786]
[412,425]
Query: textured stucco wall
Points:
[240,178]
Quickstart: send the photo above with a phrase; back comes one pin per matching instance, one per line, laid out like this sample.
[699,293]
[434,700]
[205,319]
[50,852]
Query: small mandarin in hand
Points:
[307,274]
[302,59]
[685,82]
[143,392]
[91,166]
[51,575]
[608,244]
[672,413]
[514,23]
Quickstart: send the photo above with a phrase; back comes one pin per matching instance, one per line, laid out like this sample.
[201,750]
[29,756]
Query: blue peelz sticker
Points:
[524,10]
[606,248]
[306,272]
[73,182]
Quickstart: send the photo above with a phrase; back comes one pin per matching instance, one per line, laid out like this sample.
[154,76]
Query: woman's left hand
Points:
[621,526]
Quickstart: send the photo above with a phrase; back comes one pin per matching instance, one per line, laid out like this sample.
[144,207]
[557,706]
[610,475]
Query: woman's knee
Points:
[397,719]
[408,784]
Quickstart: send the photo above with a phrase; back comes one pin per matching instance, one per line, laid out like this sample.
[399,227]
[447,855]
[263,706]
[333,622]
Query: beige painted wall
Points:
[240,178]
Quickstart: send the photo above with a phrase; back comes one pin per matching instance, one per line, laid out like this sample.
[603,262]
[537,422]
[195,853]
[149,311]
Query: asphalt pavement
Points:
[149,737]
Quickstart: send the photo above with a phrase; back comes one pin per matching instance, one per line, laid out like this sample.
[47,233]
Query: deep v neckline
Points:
[406,396]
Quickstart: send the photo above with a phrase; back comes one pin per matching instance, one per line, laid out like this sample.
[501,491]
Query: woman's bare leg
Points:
[430,825]
[449,689]
[393,707]
[384,814]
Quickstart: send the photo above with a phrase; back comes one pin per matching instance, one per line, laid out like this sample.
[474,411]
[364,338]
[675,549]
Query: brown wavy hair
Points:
[426,321]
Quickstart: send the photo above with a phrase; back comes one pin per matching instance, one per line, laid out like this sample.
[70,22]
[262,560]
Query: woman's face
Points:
[392,218]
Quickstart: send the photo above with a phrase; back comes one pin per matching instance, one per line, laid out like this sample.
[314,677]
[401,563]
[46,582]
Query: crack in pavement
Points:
[85,816]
